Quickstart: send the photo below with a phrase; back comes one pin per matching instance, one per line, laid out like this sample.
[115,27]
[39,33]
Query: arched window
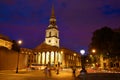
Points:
[49,41]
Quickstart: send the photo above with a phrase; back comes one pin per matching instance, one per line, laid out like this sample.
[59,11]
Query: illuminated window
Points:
[71,57]
[68,56]
[49,41]
[59,57]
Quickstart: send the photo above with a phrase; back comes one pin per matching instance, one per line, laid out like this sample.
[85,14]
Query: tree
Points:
[107,44]
[102,39]
[15,46]
[115,44]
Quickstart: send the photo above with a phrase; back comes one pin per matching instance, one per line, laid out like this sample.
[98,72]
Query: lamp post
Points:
[74,55]
[18,49]
[94,58]
[83,71]
[93,50]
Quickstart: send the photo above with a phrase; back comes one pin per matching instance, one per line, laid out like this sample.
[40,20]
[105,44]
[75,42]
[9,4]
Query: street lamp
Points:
[18,49]
[93,50]
[19,42]
[83,71]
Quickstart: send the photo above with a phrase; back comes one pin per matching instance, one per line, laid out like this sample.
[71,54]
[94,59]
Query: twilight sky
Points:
[76,20]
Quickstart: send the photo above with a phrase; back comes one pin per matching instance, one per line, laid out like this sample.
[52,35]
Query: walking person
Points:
[74,71]
[57,69]
[46,72]
[49,71]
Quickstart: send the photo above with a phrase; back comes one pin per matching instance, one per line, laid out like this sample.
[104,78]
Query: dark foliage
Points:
[106,41]
[15,46]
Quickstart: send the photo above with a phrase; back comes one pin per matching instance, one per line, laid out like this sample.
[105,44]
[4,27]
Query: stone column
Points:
[52,57]
[47,57]
[43,58]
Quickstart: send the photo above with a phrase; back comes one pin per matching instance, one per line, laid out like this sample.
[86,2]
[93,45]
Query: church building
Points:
[50,53]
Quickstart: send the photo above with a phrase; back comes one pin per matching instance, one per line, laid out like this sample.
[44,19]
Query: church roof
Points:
[45,47]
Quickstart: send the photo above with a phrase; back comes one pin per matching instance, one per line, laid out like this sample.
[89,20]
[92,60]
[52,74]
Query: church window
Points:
[49,34]
[49,41]
[56,34]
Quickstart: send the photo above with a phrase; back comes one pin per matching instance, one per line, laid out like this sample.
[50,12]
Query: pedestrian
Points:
[57,69]
[49,71]
[46,71]
[74,71]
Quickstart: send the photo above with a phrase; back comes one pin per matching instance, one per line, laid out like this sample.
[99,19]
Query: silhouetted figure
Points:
[74,71]
[46,71]
[57,69]
[49,71]
[83,71]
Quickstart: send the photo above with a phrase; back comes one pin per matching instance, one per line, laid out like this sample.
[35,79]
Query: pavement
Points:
[35,75]
[65,74]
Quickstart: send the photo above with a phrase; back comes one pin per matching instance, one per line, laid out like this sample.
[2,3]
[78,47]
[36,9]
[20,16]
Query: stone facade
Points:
[47,53]
[5,42]
[8,59]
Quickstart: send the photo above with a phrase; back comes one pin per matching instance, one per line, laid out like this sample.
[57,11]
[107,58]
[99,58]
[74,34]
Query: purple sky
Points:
[76,20]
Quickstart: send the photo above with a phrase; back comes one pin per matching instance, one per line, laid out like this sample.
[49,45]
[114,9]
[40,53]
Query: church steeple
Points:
[52,33]
[52,12]
[52,18]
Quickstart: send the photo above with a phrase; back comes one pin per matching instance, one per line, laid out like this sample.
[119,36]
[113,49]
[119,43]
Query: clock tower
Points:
[52,33]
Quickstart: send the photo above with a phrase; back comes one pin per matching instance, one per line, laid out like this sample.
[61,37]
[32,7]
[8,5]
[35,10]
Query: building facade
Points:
[47,53]
[50,53]
[9,57]
[5,42]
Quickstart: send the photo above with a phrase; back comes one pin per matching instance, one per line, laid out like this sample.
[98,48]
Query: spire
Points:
[52,18]
[52,12]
